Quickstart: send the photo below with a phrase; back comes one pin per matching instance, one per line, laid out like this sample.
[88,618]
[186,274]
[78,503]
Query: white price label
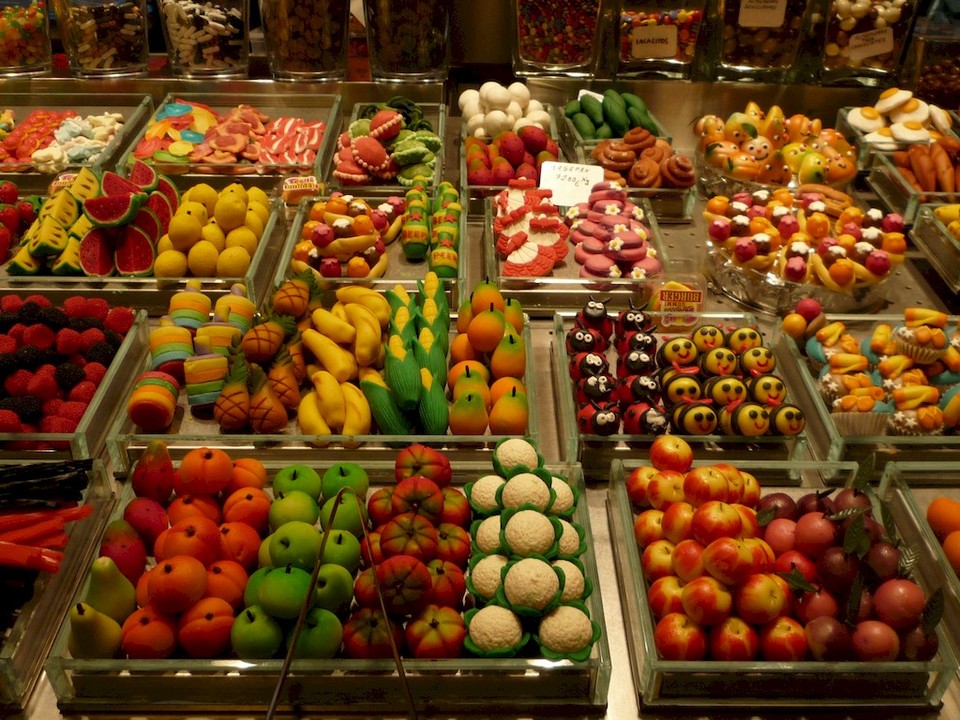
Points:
[762,13]
[570,182]
[871,43]
[653,41]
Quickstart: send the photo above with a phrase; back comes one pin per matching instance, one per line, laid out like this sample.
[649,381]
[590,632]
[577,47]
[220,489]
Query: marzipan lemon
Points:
[164,243]
[236,189]
[184,231]
[262,211]
[230,211]
[199,210]
[212,233]
[203,194]
[170,263]
[256,194]
[233,262]
[202,259]
[253,221]
[244,237]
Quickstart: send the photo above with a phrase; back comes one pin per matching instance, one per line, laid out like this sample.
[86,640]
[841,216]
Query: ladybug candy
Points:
[599,419]
[636,340]
[636,362]
[594,316]
[584,340]
[596,388]
[641,418]
[638,388]
[587,364]
[633,320]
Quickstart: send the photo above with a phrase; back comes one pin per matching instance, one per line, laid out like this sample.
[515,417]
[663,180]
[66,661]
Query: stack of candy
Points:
[170,345]
[530,236]
[153,402]
[204,376]
[610,237]
[190,308]
[235,308]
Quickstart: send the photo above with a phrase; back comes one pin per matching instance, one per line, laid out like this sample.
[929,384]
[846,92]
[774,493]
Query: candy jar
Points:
[103,38]
[306,39]
[757,39]
[658,39]
[408,39]
[556,37]
[207,39]
[865,40]
[24,37]
[932,70]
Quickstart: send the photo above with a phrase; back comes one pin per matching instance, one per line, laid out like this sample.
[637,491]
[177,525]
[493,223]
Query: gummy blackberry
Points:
[54,318]
[29,313]
[84,323]
[7,320]
[28,408]
[67,375]
[30,357]
[8,363]
[101,352]
[115,339]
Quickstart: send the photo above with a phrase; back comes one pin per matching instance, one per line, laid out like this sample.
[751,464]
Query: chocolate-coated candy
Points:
[719,361]
[636,362]
[708,337]
[767,389]
[748,419]
[681,388]
[599,419]
[678,351]
[583,340]
[636,340]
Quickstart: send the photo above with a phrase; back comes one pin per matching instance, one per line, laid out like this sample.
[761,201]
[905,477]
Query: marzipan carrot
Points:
[32,558]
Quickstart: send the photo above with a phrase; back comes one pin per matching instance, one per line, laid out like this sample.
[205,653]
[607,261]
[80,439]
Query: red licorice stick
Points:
[32,532]
[13,520]
[54,541]
[31,558]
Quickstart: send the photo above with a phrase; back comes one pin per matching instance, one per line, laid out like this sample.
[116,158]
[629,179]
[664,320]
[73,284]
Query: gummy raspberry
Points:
[7,344]
[51,406]
[89,338]
[83,391]
[72,411]
[78,359]
[16,383]
[57,424]
[28,408]
[41,300]
[39,335]
[68,342]
[119,320]
[95,372]
[10,303]
[43,385]
[75,307]
[98,308]
[16,332]
[9,422]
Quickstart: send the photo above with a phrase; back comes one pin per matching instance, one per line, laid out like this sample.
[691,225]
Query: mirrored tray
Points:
[941,248]
[400,270]
[306,106]
[564,289]
[24,646]
[768,687]
[34,180]
[153,294]
[497,686]
[596,452]
[896,193]
[90,437]
[435,113]
[125,440]
[826,440]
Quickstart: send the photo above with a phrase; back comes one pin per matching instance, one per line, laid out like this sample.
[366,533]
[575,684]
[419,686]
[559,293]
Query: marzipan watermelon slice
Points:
[113,184]
[85,185]
[166,186]
[68,262]
[147,220]
[158,203]
[62,207]
[143,176]
[96,253]
[113,210]
[134,252]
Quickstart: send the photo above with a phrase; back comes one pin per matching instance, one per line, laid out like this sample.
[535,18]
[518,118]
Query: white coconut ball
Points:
[533,106]
[498,98]
[468,97]
[496,121]
[520,93]
[475,122]
[484,93]
[540,117]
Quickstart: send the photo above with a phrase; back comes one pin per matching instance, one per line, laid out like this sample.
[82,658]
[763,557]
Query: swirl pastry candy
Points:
[659,151]
[614,155]
[678,171]
[639,139]
[645,173]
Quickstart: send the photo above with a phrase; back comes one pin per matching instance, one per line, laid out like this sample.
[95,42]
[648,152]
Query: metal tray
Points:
[24,647]
[90,437]
[346,686]
[153,294]
[826,441]
[767,687]
[135,108]
[564,289]
[596,452]
[125,440]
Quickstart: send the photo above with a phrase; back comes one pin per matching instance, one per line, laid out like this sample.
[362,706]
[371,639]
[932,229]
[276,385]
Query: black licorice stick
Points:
[42,484]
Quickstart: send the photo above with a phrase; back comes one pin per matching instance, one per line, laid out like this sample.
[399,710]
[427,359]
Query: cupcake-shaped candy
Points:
[860,415]
[924,420]
[923,343]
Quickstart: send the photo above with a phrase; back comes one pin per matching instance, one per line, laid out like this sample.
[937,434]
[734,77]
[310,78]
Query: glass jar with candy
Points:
[556,37]
[756,39]
[658,39]
[209,39]
[408,40]
[104,38]
[306,39]
[24,37]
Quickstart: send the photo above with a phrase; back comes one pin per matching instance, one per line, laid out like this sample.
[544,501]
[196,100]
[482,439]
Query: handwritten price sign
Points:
[570,182]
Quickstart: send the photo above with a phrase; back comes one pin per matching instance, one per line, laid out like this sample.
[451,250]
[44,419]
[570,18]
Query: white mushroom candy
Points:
[533,106]
[496,121]
[514,110]
[471,108]
[484,92]
[475,122]
[540,117]
[498,98]
[522,122]
[466,97]
[520,93]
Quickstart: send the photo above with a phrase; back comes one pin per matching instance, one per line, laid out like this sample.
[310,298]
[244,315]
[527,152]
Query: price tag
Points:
[762,13]
[871,43]
[653,41]
[571,183]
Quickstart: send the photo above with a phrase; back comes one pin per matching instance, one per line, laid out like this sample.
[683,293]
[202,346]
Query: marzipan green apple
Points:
[351,516]
[342,548]
[294,505]
[283,591]
[345,475]
[320,636]
[295,543]
[251,591]
[255,634]
[298,477]
[334,590]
